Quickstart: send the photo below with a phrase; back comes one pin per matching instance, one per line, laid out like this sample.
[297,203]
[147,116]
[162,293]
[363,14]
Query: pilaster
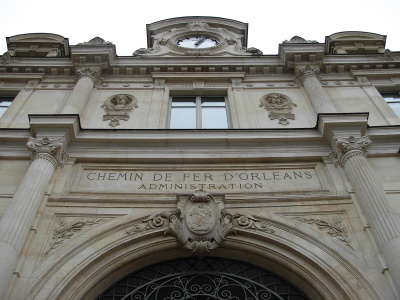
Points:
[47,155]
[320,100]
[351,153]
[76,102]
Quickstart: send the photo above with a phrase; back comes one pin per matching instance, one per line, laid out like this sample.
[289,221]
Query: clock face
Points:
[197,42]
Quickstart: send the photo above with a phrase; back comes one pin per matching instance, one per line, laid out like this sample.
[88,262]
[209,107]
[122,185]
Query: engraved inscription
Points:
[172,180]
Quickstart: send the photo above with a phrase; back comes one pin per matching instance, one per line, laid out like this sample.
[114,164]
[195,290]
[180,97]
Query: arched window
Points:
[202,279]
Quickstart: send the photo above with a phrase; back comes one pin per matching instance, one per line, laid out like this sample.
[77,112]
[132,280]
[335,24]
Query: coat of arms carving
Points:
[200,222]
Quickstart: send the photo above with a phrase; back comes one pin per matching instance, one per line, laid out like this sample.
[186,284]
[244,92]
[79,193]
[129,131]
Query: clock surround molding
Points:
[231,36]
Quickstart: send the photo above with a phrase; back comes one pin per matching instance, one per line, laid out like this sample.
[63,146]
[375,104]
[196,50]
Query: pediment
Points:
[38,45]
[223,37]
[355,42]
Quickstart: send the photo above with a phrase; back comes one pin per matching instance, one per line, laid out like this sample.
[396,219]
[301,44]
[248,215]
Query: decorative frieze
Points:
[279,107]
[200,223]
[118,108]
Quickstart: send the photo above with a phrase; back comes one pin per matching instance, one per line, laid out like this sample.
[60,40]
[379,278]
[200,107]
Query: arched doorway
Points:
[210,278]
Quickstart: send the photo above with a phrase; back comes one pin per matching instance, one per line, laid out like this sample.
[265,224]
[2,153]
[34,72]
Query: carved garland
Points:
[279,107]
[200,223]
[118,108]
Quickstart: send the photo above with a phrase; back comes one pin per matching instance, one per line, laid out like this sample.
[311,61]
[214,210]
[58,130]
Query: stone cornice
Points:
[206,75]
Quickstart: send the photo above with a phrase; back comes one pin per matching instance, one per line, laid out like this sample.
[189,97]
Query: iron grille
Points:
[202,279]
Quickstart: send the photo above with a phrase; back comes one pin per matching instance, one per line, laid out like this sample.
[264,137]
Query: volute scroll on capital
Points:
[92,73]
[347,147]
[200,222]
[51,149]
[304,72]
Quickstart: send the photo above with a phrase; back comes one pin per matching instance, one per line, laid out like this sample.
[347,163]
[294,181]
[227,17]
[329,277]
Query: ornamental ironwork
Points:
[202,279]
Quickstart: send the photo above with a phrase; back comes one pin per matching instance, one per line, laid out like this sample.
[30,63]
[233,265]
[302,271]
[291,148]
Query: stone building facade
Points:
[199,167]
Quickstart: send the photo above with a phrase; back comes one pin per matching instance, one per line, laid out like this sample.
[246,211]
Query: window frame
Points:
[6,99]
[198,111]
[397,93]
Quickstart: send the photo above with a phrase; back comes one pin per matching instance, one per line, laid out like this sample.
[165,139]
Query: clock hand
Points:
[199,41]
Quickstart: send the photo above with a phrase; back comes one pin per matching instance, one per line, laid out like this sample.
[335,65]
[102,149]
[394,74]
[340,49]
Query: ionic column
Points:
[18,218]
[320,100]
[380,213]
[77,100]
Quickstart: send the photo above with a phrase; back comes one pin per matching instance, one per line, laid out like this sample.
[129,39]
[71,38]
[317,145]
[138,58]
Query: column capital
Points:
[346,147]
[92,73]
[51,149]
[303,72]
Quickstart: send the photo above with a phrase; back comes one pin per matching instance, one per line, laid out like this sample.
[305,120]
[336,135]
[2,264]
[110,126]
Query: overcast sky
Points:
[123,22]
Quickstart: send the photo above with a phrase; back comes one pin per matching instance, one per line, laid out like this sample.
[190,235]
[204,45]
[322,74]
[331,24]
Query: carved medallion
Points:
[279,107]
[118,108]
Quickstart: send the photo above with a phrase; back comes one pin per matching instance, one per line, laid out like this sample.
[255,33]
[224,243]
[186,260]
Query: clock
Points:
[197,42]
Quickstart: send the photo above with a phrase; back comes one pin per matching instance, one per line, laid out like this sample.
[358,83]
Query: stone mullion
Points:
[380,214]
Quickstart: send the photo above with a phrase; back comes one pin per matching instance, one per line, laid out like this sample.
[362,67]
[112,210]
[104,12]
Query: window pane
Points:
[5,103]
[214,117]
[2,110]
[396,108]
[391,97]
[183,118]
[184,101]
[216,101]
